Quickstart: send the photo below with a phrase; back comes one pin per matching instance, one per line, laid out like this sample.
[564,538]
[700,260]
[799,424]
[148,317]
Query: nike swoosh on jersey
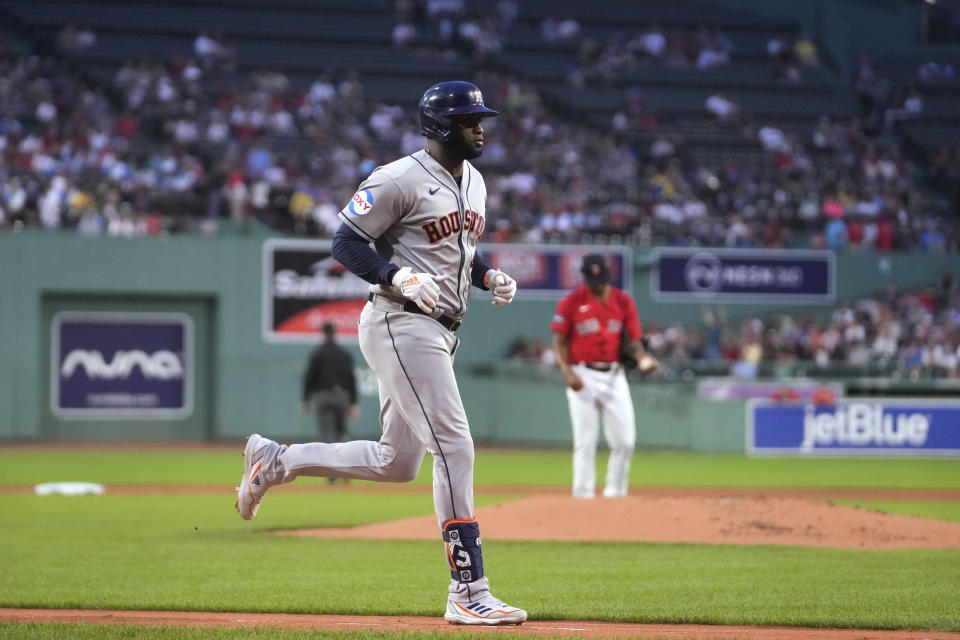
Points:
[584,308]
[434,190]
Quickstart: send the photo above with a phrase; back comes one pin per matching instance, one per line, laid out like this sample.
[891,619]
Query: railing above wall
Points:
[855,380]
[834,35]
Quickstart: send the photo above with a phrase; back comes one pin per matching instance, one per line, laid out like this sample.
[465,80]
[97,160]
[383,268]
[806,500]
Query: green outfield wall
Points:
[243,383]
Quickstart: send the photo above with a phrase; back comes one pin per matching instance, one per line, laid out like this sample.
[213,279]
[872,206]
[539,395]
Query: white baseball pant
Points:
[604,398]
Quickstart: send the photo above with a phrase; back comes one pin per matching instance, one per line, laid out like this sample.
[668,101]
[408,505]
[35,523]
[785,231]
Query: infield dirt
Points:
[730,519]
[533,628]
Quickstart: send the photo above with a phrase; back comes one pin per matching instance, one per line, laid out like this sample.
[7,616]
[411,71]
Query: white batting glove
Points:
[501,285]
[420,288]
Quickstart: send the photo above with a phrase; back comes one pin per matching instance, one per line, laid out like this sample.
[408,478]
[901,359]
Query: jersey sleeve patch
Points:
[361,203]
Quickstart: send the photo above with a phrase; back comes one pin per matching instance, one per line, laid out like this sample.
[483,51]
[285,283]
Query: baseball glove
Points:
[627,357]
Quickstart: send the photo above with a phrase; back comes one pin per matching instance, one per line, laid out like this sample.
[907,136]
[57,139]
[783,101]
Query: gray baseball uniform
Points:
[425,224]
[418,217]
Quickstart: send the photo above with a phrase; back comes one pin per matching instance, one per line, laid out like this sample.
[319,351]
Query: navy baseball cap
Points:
[595,270]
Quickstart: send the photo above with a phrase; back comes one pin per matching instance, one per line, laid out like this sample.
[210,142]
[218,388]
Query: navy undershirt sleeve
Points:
[478,269]
[356,254]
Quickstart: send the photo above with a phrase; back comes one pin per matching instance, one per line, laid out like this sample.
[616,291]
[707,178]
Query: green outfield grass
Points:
[498,467]
[193,552]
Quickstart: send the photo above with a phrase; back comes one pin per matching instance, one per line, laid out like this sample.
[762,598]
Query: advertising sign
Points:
[884,426]
[304,288]
[551,271]
[121,365]
[742,275]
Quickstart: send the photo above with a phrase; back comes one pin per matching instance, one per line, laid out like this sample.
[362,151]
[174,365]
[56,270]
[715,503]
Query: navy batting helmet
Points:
[447,99]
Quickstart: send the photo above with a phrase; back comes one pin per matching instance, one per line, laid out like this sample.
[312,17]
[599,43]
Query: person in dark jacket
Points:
[329,384]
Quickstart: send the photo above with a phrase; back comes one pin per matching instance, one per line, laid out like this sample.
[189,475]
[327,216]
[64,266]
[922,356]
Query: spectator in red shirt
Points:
[884,234]
[854,232]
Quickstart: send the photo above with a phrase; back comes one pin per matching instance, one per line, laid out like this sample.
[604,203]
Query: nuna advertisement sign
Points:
[121,365]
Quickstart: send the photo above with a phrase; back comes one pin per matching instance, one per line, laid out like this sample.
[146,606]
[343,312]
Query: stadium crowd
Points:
[70,159]
[446,28]
[180,145]
[915,333]
[603,61]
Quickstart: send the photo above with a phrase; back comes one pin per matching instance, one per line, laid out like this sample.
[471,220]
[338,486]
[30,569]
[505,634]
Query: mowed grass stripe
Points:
[26,466]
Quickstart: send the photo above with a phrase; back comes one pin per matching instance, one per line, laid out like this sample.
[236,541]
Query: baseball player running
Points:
[586,338]
[424,214]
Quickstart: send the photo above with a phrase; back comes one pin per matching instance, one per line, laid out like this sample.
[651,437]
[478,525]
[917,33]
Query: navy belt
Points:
[599,366]
[450,324]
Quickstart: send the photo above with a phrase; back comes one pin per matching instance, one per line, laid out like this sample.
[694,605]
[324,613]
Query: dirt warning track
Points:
[534,628]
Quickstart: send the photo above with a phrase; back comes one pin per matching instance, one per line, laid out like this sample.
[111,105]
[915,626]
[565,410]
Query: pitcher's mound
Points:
[699,519]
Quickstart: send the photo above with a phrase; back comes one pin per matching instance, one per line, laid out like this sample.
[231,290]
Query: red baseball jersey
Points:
[593,327]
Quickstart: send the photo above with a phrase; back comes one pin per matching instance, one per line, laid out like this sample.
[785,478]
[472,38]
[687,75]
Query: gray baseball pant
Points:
[420,411]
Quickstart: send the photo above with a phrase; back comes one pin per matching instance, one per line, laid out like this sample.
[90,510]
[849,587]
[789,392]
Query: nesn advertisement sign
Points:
[121,365]
[884,426]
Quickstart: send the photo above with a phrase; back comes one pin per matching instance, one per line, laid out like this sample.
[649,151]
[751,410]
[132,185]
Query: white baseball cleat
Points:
[254,484]
[471,603]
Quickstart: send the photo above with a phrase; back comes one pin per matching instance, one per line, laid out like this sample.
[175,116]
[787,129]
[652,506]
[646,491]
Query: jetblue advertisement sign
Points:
[734,275]
[885,426]
[121,365]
